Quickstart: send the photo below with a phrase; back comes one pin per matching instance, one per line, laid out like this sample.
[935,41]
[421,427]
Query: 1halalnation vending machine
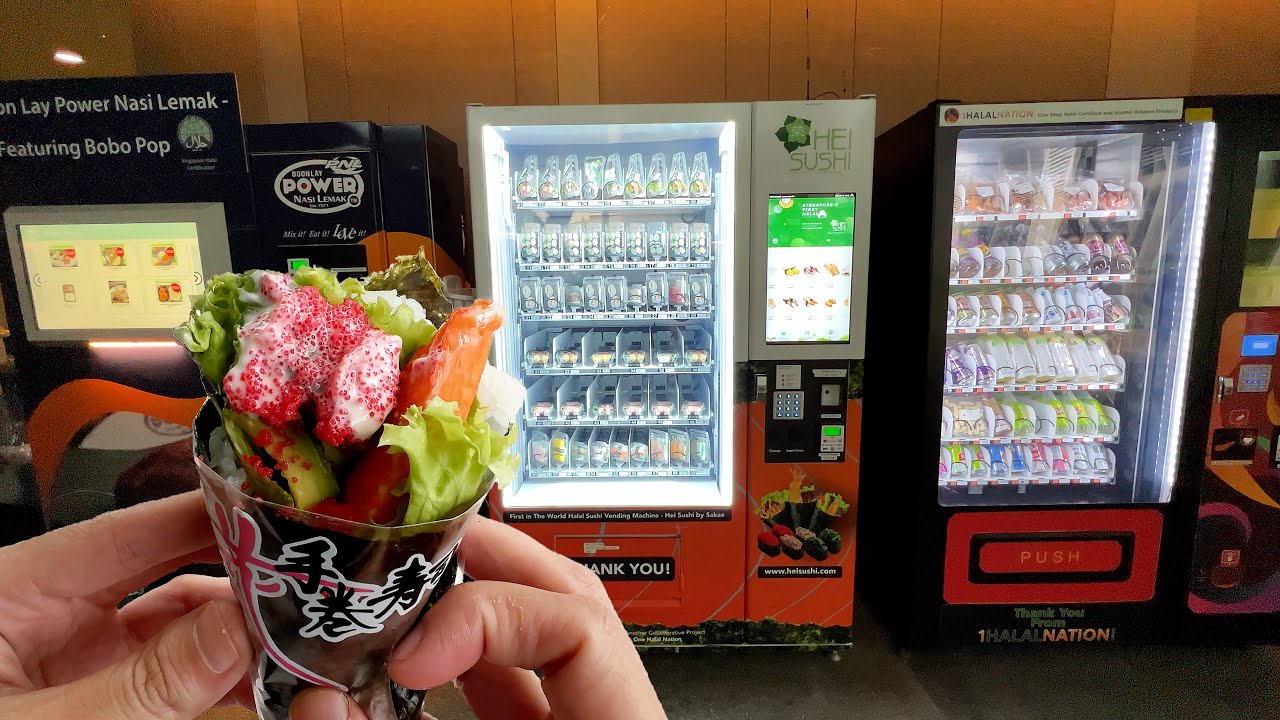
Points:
[1030,344]
[619,238]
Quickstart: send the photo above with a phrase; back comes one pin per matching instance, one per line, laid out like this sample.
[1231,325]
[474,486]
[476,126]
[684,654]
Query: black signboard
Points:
[185,125]
[315,198]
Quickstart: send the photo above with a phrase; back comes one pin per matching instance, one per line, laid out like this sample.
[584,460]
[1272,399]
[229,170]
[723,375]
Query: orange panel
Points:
[1236,49]
[535,51]
[1024,51]
[896,56]
[788,50]
[831,40]
[1152,44]
[804,589]
[746,63]
[676,55]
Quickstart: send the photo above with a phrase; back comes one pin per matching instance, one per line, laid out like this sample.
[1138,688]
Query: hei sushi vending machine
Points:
[622,241]
[1029,351]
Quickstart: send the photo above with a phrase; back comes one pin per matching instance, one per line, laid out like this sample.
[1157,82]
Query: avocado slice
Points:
[263,487]
[298,457]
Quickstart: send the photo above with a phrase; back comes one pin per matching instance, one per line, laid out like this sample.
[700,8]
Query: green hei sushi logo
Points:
[820,150]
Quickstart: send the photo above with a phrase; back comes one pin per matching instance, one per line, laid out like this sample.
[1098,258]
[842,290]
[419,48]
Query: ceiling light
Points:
[68,57]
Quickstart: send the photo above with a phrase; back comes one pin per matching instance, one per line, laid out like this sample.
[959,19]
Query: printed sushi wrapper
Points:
[326,600]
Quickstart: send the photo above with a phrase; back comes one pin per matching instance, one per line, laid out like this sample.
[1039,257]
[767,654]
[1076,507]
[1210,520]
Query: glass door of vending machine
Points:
[1074,261]
[611,245]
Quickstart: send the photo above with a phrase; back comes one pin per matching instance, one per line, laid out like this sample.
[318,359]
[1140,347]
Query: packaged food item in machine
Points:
[600,448]
[615,241]
[656,187]
[635,355]
[606,407]
[592,177]
[527,179]
[542,410]
[678,241]
[593,242]
[593,290]
[573,298]
[1114,195]
[639,447]
[549,189]
[604,356]
[553,295]
[700,291]
[531,243]
[539,451]
[692,409]
[679,450]
[538,358]
[656,286]
[559,449]
[982,197]
[620,448]
[700,177]
[1072,197]
[571,410]
[699,241]
[552,239]
[570,179]
[637,242]
[665,351]
[662,409]
[633,185]
[613,177]
[1024,195]
[615,294]
[568,357]
[656,241]
[635,297]
[1099,262]
[659,449]
[678,290]
[677,183]
[1121,255]
[571,243]
[530,291]
[700,448]
[697,356]
[580,449]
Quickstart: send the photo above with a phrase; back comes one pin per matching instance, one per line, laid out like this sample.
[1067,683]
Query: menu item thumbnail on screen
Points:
[809,275]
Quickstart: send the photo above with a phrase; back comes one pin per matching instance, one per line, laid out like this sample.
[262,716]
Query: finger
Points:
[494,692]
[324,704]
[179,674]
[111,548]
[590,668]
[151,613]
[493,551]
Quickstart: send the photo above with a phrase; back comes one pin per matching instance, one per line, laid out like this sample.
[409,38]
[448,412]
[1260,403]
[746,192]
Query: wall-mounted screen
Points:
[809,276]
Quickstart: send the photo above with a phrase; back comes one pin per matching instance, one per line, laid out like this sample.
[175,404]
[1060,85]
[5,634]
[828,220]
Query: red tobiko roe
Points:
[781,530]
[306,348]
[768,538]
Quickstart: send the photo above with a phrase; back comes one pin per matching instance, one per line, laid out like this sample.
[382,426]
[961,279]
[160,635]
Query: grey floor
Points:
[871,680]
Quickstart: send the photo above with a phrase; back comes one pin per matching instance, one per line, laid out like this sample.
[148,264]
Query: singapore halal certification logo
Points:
[195,134]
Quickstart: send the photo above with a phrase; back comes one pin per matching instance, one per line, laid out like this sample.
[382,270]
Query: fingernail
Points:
[406,645]
[329,705]
[213,641]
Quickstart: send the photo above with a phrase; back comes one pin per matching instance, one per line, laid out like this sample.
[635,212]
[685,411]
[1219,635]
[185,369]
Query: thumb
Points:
[177,675]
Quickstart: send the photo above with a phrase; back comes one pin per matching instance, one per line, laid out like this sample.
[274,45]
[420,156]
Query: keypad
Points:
[1255,378]
[788,405]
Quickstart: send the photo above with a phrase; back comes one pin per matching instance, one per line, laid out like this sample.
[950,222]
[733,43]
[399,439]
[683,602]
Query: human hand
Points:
[530,609]
[67,652]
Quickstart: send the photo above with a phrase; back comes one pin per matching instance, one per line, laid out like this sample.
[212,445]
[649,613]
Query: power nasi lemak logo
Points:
[320,186]
[816,150]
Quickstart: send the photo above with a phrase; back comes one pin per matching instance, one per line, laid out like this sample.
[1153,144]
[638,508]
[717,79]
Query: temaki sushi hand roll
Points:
[346,444]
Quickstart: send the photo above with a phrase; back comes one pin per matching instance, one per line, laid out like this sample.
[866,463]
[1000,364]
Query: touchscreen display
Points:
[810,268]
[111,276]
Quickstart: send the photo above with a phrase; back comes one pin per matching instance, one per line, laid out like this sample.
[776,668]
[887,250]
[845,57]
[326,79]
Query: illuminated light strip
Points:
[131,344]
[1188,315]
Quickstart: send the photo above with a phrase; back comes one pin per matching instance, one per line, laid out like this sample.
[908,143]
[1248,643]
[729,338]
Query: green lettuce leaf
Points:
[211,333]
[333,289]
[448,458]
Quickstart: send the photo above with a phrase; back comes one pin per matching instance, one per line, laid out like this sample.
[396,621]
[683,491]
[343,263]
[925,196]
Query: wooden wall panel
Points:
[746,56]
[280,49]
[577,52]
[324,59]
[423,62]
[897,56]
[674,55]
[831,36]
[534,22]
[1237,47]
[992,51]
[191,36]
[1152,45]
[788,50]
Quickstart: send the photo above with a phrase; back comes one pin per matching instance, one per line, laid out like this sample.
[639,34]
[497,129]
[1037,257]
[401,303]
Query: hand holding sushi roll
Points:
[530,608]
